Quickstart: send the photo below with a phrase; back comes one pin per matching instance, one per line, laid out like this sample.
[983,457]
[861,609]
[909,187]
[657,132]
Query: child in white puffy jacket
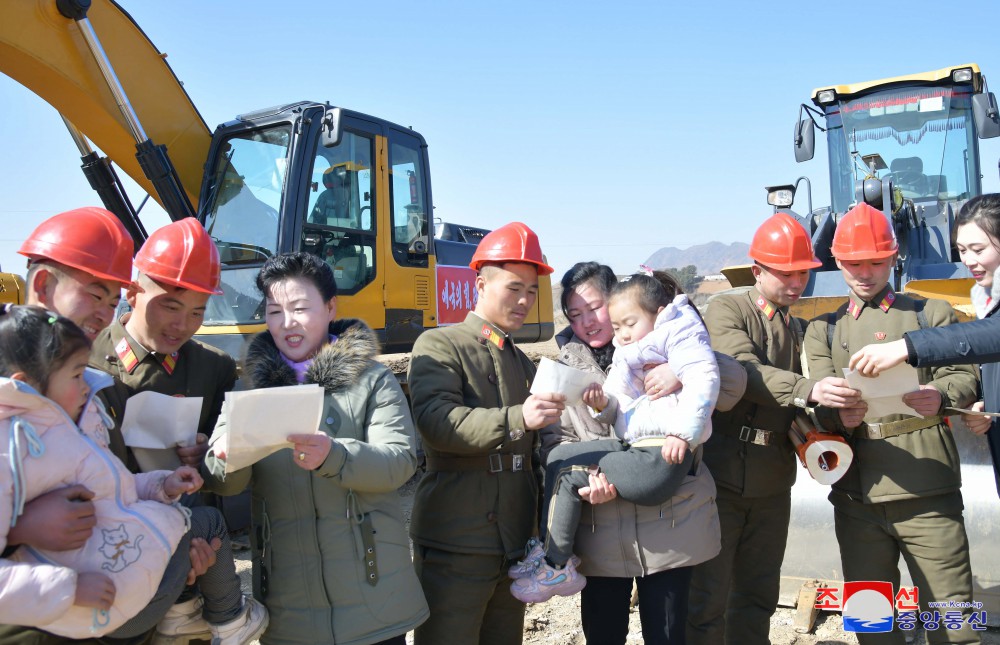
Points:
[54,434]
[653,452]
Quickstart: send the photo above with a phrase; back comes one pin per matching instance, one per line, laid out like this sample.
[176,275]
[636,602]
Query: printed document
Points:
[556,377]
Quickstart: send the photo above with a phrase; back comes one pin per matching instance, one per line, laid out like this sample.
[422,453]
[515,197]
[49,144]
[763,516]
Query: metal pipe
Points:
[81,141]
[94,44]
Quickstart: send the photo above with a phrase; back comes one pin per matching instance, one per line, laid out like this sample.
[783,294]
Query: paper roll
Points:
[827,457]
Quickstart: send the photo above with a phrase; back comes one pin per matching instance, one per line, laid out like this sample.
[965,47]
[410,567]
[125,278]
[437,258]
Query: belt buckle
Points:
[745,433]
[496,462]
[761,437]
[873,430]
[517,463]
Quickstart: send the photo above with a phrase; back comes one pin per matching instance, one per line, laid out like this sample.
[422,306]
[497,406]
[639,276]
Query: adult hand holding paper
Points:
[259,422]
[884,393]
[556,377]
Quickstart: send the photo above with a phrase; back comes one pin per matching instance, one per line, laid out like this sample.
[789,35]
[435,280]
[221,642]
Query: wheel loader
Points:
[908,146]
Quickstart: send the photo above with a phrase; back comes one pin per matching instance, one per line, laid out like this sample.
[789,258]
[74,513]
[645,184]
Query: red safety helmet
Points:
[513,242]
[90,239]
[782,244]
[864,234]
[183,255]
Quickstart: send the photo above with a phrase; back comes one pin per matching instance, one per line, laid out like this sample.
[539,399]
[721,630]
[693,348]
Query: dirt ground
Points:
[558,621]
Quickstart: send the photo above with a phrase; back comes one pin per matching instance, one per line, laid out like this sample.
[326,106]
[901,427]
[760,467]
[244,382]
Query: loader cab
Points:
[908,146]
[924,132]
[349,188]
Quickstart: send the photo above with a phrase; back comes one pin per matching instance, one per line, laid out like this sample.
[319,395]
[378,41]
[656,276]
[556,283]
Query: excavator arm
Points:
[46,52]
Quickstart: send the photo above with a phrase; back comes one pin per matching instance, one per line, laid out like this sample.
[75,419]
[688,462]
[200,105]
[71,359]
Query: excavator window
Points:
[339,225]
[408,194]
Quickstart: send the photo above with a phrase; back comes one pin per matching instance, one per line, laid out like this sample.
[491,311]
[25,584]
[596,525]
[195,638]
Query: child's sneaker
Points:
[246,627]
[181,622]
[534,553]
[547,581]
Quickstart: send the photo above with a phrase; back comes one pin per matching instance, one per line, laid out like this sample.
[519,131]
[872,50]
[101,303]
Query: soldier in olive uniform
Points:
[476,507]
[902,491]
[151,348]
[733,596]
[78,263]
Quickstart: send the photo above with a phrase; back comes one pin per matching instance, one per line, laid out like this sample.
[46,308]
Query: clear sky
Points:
[612,129]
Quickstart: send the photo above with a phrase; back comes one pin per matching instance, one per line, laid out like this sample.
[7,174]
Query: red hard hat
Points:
[90,239]
[183,255]
[513,242]
[864,234]
[781,243]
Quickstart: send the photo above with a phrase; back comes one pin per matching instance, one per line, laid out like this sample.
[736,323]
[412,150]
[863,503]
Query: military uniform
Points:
[752,460]
[902,491]
[194,370]
[476,507]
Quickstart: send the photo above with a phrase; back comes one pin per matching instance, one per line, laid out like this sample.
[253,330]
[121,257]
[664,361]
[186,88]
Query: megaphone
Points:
[826,456]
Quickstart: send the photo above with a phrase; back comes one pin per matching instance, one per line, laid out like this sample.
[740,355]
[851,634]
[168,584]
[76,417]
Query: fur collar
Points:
[980,297]
[336,367]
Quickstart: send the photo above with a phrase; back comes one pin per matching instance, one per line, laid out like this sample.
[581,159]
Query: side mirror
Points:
[805,140]
[331,128]
[984,112]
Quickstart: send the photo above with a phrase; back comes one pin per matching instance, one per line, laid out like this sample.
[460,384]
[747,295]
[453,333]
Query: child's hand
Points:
[595,397]
[94,590]
[674,450]
[310,450]
[183,480]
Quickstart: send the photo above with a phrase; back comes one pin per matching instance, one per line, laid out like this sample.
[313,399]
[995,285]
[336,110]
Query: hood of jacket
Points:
[18,397]
[337,366]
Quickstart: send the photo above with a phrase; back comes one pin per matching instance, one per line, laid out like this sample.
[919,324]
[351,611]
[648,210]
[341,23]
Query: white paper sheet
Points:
[259,421]
[884,393]
[155,424]
[556,377]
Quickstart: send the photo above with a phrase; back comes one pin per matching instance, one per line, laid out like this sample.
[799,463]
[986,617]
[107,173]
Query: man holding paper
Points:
[901,494]
[152,347]
[477,505]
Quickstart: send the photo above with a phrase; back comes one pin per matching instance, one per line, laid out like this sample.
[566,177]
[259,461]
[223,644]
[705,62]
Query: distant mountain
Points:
[709,258]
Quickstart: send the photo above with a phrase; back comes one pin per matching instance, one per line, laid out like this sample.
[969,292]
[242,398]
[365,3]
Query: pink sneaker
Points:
[547,581]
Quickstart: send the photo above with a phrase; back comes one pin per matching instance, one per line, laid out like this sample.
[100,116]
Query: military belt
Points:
[494,463]
[896,428]
[756,436]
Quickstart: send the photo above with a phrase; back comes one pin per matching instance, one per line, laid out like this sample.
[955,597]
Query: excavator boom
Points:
[47,53]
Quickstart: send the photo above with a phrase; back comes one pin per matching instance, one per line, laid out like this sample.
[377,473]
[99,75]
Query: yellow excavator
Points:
[352,188]
[909,146]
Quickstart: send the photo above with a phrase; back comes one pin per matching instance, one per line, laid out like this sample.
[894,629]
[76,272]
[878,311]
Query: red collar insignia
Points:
[492,336]
[126,355]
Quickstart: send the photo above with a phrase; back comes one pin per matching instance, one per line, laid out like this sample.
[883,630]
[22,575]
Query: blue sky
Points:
[611,129]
